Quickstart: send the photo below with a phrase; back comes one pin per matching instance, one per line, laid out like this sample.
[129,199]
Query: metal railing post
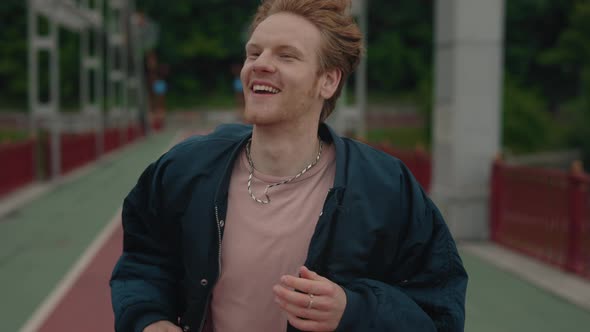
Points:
[576,210]
[496,188]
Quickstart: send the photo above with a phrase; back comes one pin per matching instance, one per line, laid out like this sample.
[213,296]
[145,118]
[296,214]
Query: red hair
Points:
[342,44]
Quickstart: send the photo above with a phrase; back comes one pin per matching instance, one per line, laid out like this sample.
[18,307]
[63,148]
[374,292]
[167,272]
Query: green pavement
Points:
[498,301]
[41,241]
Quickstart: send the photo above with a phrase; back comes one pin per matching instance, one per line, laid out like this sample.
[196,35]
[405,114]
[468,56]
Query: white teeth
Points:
[258,87]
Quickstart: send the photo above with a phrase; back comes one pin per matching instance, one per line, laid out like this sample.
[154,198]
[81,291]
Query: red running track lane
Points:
[87,304]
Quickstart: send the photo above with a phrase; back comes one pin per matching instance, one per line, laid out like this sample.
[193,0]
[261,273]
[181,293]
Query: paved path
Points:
[57,252]
[41,241]
[89,290]
[500,301]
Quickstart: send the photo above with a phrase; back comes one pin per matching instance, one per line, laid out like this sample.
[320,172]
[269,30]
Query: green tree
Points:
[200,40]
[532,27]
[526,125]
[572,56]
[13,60]
[400,45]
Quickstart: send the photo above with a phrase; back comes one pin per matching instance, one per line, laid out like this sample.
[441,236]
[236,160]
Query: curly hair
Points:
[342,44]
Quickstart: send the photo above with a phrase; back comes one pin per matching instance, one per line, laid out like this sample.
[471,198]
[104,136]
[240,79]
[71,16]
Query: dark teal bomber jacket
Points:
[379,237]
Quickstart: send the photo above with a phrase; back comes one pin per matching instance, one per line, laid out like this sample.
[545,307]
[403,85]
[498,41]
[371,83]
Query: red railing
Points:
[579,249]
[18,165]
[133,132]
[157,123]
[417,160]
[81,148]
[77,150]
[585,250]
[112,139]
[543,213]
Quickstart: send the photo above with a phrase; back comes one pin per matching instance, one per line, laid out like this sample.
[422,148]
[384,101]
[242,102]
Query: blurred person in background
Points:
[284,225]
[238,90]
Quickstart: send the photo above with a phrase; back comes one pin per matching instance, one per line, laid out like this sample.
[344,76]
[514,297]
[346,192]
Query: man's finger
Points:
[307,286]
[303,312]
[306,273]
[302,300]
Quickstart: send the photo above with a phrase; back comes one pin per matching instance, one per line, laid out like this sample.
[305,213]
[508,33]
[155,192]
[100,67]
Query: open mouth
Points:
[260,89]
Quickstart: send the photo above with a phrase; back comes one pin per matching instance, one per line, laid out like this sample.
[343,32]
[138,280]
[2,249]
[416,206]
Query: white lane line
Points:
[65,284]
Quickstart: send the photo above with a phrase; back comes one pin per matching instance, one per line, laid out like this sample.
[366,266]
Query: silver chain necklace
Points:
[317,158]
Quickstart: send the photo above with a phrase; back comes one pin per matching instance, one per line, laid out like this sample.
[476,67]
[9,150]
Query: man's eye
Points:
[287,56]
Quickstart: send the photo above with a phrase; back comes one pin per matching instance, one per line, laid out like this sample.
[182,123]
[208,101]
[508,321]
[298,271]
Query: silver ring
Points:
[310,301]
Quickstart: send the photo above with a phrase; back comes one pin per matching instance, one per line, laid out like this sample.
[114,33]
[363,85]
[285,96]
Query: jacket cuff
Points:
[147,319]
[139,315]
[350,317]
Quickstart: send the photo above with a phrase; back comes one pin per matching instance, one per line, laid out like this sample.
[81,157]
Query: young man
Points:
[284,226]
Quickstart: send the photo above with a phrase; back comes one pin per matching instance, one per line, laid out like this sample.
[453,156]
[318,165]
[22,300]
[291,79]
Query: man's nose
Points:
[264,63]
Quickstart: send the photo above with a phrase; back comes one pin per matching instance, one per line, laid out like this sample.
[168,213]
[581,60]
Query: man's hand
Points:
[318,308]
[162,326]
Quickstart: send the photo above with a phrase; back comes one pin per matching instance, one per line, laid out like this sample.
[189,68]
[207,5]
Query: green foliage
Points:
[69,69]
[13,59]
[572,56]
[526,125]
[533,27]
[425,104]
[12,135]
[547,60]
[200,40]
[579,113]
[399,45]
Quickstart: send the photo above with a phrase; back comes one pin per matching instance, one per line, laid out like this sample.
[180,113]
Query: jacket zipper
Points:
[325,210]
[218,241]
[219,268]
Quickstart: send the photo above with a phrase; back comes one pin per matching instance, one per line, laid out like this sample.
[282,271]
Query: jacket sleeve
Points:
[145,279]
[424,289]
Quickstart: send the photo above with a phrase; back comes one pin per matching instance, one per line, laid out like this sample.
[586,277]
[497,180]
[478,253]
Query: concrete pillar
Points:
[467,104]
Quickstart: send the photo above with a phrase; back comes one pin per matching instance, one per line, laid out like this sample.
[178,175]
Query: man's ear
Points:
[330,82]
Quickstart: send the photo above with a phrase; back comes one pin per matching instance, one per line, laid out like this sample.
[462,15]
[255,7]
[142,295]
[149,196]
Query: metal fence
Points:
[18,168]
[543,213]
[26,162]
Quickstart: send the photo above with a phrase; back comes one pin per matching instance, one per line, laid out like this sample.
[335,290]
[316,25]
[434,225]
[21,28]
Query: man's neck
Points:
[283,152]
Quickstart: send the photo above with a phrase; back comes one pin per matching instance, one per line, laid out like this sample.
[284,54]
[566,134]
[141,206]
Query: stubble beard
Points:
[282,112]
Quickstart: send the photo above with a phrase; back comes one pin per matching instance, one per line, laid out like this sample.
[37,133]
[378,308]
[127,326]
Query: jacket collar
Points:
[326,133]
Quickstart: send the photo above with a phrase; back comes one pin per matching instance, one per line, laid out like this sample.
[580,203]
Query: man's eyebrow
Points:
[290,48]
[251,45]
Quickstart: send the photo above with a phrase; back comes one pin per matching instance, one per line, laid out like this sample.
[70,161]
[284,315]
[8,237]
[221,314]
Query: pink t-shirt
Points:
[263,242]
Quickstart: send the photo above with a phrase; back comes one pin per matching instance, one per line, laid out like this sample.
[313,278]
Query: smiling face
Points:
[281,72]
